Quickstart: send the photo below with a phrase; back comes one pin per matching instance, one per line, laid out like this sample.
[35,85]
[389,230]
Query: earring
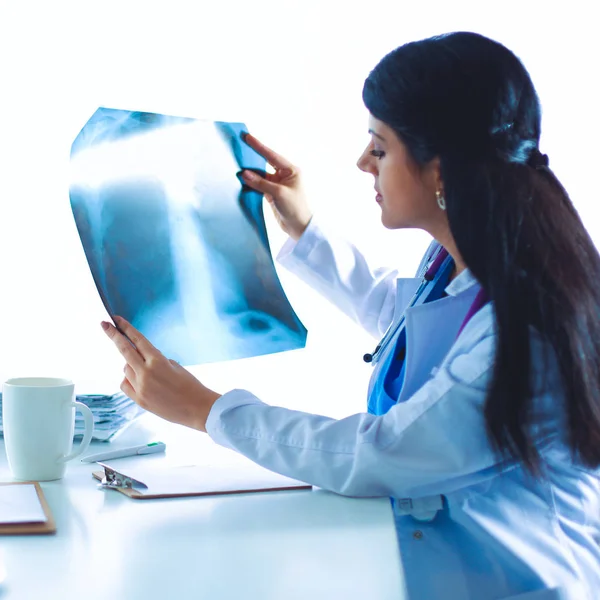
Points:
[440,200]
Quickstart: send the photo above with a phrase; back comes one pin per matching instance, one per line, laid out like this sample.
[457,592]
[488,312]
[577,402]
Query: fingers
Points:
[128,352]
[259,183]
[269,155]
[144,347]
[128,390]
[129,373]
[280,176]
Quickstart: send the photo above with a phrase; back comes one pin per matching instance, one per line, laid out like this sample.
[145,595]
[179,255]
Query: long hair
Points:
[470,102]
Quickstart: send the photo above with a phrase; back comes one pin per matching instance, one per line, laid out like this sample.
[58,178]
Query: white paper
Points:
[206,479]
[20,504]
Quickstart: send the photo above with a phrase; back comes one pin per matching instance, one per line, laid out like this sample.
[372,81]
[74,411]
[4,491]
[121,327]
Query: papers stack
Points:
[112,414]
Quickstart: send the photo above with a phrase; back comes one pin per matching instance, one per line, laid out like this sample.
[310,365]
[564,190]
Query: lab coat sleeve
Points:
[423,446]
[340,273]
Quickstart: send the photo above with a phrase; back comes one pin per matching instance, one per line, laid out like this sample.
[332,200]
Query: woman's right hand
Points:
[282,189]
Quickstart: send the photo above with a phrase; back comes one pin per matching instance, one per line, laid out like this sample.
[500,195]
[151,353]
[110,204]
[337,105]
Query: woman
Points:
[484,406]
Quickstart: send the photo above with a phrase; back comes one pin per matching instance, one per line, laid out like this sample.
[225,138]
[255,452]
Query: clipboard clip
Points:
[114,479]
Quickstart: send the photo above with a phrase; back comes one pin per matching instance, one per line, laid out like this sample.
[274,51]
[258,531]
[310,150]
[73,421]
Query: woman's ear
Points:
[433,176]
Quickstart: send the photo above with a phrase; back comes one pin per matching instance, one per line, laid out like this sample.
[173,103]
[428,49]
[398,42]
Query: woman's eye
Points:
[377,153]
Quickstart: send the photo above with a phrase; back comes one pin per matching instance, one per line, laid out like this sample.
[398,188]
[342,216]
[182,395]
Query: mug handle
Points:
[88,419]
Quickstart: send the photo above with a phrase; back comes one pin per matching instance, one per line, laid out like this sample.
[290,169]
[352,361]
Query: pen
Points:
[123,452]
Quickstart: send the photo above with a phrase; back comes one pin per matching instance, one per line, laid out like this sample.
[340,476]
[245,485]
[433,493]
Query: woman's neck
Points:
[447,241]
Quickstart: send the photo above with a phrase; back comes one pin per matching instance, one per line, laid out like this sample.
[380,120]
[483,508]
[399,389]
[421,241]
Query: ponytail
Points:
[529,249]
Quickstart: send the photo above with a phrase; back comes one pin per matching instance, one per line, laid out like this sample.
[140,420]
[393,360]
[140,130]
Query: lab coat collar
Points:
[463,281]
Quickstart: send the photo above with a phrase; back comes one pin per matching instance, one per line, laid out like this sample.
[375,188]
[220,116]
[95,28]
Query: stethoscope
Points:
[434,264]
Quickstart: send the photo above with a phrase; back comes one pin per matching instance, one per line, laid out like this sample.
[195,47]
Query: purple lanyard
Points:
[480,301]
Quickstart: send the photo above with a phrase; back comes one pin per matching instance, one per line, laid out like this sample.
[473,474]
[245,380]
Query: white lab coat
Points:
[500,533]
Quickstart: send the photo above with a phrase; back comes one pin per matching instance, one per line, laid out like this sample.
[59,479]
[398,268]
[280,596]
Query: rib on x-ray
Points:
[175,243]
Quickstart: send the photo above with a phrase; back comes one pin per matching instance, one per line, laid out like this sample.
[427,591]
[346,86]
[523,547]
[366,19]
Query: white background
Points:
[293,72]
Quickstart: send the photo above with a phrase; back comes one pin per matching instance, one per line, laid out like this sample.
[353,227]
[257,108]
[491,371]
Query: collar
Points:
[463,281]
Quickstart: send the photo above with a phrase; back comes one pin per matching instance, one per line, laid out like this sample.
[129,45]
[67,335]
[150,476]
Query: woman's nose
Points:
[363,162]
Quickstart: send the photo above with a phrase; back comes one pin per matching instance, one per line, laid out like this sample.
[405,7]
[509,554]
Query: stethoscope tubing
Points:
[431,270]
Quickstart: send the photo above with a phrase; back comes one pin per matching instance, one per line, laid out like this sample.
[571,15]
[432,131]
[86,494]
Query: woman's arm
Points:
[424,446]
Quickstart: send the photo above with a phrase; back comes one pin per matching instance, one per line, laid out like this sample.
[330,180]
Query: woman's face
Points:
[405,191]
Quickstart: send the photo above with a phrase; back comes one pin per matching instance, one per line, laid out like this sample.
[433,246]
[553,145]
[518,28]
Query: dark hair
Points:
[470,102]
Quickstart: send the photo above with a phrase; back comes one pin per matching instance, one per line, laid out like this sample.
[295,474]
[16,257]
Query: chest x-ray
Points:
[175,243]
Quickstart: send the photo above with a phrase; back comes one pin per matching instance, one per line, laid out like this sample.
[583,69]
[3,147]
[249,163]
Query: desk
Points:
[269,546]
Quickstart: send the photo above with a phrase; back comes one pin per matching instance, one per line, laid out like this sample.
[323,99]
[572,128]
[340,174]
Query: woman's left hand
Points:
[158,384]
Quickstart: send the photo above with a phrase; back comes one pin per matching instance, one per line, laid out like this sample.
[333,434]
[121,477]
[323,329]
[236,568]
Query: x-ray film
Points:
[176,244]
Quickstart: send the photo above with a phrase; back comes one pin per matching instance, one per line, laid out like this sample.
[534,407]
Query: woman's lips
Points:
[378,198]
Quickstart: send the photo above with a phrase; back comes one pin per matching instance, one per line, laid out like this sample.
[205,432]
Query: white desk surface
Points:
[278,545]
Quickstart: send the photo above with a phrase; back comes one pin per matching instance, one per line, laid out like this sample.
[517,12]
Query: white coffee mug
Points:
[38,416]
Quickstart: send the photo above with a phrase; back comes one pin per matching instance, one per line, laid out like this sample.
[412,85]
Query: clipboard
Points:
[147,483]
[46,527]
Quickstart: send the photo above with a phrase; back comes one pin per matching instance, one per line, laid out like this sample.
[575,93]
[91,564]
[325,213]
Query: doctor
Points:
[483,420]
